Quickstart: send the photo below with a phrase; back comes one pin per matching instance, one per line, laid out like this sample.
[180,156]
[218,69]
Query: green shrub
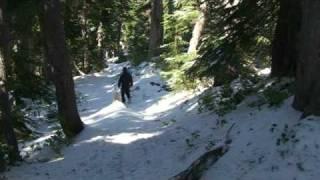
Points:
[57,141]
[206,102]
[217,102]
[175,72]
[178,28]
[275,97]
[224,99]
[274,93]
[3,155]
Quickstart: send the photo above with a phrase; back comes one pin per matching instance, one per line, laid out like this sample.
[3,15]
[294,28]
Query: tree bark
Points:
[85,34]
[119,33]
[26,48]
[60,67]
[2,163]
[197,30]
[307,97]
[5,106]
[284,51]
[156,32]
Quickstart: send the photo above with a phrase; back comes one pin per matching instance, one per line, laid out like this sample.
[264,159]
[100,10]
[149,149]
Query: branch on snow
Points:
[196,169]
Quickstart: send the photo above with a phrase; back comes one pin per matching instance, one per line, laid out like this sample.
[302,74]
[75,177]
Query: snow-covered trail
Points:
[161,133]
[141,141]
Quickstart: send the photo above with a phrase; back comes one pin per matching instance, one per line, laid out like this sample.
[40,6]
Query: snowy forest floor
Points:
[161,133]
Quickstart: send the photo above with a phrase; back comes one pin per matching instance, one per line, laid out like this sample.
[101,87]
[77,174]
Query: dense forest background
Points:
[195,42]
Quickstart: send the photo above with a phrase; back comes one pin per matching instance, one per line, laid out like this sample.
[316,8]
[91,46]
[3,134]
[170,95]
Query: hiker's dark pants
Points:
[125,91]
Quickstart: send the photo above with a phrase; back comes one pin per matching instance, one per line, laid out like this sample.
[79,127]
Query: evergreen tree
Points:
[156,30]
[137,30]
[179,21]
[6,126]
[198,28]
[283,46]
[307,96]
[59,63]
[233,38]
[27,74]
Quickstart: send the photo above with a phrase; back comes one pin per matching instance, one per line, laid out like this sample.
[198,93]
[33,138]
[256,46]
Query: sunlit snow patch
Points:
[127,138]
[123,138]
[264,72]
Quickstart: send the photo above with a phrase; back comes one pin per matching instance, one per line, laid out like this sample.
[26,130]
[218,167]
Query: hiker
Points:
[124,83]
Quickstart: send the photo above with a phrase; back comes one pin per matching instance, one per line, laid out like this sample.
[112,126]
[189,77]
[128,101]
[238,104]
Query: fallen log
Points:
[196,169]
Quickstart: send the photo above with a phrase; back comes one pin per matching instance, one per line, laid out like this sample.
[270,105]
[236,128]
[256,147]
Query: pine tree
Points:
[307,96]
[5,106]
[198,28]
[59,63]
[284,40]
[233,37]
[156,32]
[136,30]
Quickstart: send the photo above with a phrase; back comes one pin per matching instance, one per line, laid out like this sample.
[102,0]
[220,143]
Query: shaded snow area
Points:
[160,133]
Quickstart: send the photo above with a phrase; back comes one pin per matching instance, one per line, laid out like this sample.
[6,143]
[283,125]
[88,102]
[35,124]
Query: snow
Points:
[264,72]
[161,133]
[255,154]
[141,140]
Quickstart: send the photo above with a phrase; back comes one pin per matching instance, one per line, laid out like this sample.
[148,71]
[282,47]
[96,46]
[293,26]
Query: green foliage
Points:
[273,93]
[18,119]
[274,97]
[236,39]
[175,71]
[57,141]
[178,26]
[3,156]
[224,99]
[206,102]
[219,104]
[94,28]
[26,71]
[26,85]
[137,30]
[179,20]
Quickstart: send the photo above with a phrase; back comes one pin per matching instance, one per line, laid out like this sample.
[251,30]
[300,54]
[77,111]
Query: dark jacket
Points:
[125,80]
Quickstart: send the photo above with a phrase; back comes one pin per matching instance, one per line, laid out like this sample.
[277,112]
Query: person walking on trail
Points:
[124,83]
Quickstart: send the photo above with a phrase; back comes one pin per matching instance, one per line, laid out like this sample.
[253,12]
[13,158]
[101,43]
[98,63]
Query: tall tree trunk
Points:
[156,32]
[2,163]
[5,106]
[171,6]
[197,30]
[307,97]
[85,33]
[119,31]
[59,63]
[26,48]
[284,52]
[100,45]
